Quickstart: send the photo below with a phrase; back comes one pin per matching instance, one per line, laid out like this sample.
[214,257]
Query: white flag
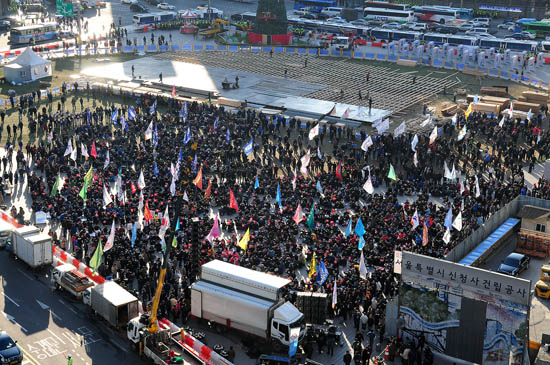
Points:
[476,99]
[383,126]
[346,113]
[305,159]
[334,295]
[362,267]
[400,130]
[447,236]
[106,197]
[74,154]
[454,119]
[529,115]
[368,186]
[294,180]
[415,159]
[141,181]
[84,150]
[453,172]
[501,124]
[185,197]
[415,220]
[165,224]
[462,133]
[366,144]
[426,122]
[414,142]
[111,239]
[313,132]
[511,110]
[433,135]
[149,131]
[457,223]
[69,148]
[447,171]
[478,191]
[107,160]
[173,186]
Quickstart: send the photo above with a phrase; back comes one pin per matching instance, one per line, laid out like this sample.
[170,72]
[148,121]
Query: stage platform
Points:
[270,91]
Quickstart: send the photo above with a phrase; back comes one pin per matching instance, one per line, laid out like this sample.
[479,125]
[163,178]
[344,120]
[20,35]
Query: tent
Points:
[27,67]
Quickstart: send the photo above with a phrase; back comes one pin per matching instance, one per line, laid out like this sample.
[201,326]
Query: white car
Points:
[392,26]
[129,1]
[166,6]
[418,26]
[483,22]
[336,20]
[506,25]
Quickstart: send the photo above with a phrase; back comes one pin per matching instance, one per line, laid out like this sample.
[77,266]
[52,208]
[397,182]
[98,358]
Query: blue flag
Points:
[278,197]
[180,157]
[177,225]
[359,228]
[187,136]
[131,113]
[319,188]
[155,137]
[124,124]
[114,116]
[248,147]
[89,115]
[256,183]
[194,165]
[153,107]
[348,230]
[216,122]
[227,136]
[134,234]
[361,243]
[449,219]
[322,273]
[183,111]
[155,169]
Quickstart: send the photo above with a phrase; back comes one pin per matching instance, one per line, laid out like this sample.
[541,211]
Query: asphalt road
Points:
[50,325]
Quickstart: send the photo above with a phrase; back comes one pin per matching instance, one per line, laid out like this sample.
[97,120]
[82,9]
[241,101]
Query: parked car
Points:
[332,11]
[336,20]
[153,2]
[465,27]
[236,17]
[506,25]
[138,8]
[308,16]
[514,264]
[484,22]
[445,29]
[166,6]
[392,25]
[477,31]
[9,352]
[419,27]
[360,22]
[129,1]
[484,35]
[523,36]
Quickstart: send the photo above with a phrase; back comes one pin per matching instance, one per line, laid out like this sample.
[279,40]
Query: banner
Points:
[294,334]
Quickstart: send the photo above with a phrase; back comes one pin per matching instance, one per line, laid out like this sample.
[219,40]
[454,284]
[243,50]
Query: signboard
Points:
[65,9]
[500,8]
[460,279]
[397,260]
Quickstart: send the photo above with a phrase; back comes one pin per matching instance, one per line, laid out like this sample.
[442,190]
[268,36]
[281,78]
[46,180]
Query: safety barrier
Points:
[61,257]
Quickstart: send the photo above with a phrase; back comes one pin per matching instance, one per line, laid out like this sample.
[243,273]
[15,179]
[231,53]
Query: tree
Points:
[271,17]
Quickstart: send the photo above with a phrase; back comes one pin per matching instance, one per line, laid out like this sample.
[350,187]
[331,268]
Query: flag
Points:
[243,243]
[187,136]
[511,110]
[233,201]
[95,262]
[447,174]
[74,154]
[476,99]
[478,191]
[391,173]
[173,186]
[134,233]
[319,154]
[114,117]
[107,160]
[305,159]
[447,236]
[155,169]
[216,122]
[153,107]
[501,123]
[111,239]
[362,267]
[88,116]
[319,187]
[415,159]
[147,213]
[84,150]
[454,119]
[311,218]
[462,133]
[361,243]
[312,267]
[174,91]
[256,183]
[449,218]
[314,132]
[183,111]
[294,180]
[366,143]
[149,131]
[198,180]
[174,240]
[433,135]
[131,113]
[93,151]
[529,115]
[348,229]
[322,273]
[227,136]
[414,142]
[165,224]
[208,189]
[346,114]
[334,295]
[56,186]
[299,215]
[155,137]
[194,164]
[457,223]
[332,111]
[133,187]
[400,130]
[339,171]
[88,176]
[141,181]
[278,197]
[468,111]
[248,148]
[427,121]
[368,187]
[69,148]
[425,233]
[359,228]
[185,197]
[106,197]
[415,221]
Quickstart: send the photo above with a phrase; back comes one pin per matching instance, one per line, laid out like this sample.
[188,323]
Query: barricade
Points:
[62,257]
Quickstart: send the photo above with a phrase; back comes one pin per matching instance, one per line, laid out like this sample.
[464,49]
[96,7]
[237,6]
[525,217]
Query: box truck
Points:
[34,250]
[113,303]
[24,231]
[250,301]
[68,278]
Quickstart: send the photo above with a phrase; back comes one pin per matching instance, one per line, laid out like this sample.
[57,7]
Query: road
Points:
[49,325]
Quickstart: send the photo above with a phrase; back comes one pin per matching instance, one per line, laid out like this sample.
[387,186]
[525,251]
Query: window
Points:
[284,328]
[540,227]
[23,73]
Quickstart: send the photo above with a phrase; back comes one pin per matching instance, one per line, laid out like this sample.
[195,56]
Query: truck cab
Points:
[342,43]
[285,318]
[542,287]
[66,277]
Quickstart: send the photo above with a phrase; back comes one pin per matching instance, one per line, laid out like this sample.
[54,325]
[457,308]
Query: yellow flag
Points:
[468,111]
[312,266]
[194,146]
[88,176]
[243,243]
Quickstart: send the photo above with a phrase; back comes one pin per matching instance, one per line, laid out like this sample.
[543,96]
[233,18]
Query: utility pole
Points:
[209,13]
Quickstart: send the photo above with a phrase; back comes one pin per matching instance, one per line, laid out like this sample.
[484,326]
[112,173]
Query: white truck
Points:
[113,303]
[35,250]
[68,278]
[246,300]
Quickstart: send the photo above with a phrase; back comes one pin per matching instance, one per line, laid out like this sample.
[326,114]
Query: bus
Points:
[521,45]
[314,6]
[29,33]
[142,20]
[385,5]
[436,38]
[463,13]
[456,40]
[388,15]
[492,43]
[433,14]
[539,29]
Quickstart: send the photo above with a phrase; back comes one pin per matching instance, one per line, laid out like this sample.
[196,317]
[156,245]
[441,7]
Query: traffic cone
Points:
[387,353]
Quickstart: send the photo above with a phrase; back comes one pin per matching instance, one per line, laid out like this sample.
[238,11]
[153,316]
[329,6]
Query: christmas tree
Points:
[271,17]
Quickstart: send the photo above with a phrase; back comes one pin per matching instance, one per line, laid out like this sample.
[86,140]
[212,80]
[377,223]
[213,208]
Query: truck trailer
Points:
[246,300]
[34,250]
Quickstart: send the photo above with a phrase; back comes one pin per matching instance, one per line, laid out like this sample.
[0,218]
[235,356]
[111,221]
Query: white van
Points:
[332,11]
[477,31]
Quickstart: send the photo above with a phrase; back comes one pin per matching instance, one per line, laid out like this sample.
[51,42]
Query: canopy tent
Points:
[27,67]
[188,14]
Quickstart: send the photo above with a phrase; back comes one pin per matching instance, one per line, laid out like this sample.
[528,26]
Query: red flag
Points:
[174,91]
[198,179]
[425,234]
[338,171]
[298,216]
[147,213]
[233,201]
[93,152]
[133,187]
[208,189]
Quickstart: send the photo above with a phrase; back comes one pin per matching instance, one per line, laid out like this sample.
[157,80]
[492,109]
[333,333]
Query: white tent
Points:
[27,67]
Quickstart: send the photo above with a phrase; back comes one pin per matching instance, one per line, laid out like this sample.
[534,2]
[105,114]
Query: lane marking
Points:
[28,356]
[56,336]
[11,300]
[11,318]
[26,275]
[55,315]
[72,310]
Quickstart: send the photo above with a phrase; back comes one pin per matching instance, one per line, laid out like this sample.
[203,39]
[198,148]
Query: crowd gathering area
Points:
[284,191]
